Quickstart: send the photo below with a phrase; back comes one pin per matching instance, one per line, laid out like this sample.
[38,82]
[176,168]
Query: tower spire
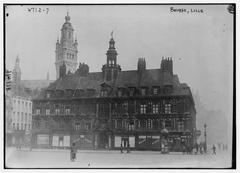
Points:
[111,68]
[112,34]
[67,18]
[17,71]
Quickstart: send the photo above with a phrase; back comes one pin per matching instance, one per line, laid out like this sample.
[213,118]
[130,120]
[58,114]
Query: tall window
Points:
[57,111]
[38,111]
[48,95]
[143,108]
[18,116]
[47,111]
[77,126]
[13,125]
[26,117]
[167,108]
[131,125]
[155,108]
[21,116]
[104,93]
[17,126]
[67,111]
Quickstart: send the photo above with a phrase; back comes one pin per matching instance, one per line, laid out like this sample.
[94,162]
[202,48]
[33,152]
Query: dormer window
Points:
[104,93]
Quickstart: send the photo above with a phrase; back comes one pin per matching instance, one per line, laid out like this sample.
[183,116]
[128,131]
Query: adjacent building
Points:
[147,109]
[19,106]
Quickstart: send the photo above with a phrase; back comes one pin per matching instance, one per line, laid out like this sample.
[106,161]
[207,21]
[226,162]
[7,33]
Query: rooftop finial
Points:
[67,18]
[112,34]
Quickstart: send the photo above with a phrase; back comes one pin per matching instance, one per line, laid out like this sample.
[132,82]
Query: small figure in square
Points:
[121,148]
[214,149]
[128,148]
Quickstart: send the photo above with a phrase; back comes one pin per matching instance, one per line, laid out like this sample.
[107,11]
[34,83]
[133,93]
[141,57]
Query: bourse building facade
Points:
[147,109]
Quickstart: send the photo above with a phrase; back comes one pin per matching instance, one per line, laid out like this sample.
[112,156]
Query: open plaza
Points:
[44,158]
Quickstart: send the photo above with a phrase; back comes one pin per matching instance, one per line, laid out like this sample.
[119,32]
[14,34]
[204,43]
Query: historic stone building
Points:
[20,114]
[148,109]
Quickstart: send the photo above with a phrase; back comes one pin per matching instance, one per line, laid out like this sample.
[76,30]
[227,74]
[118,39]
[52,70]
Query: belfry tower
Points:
[111,69]
[17,72]
[66,49]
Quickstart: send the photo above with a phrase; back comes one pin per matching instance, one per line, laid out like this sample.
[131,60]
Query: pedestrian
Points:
[214,149]
[73,152]
[196,146]
[184,148]
[121,148]
[201,148]
[128,148]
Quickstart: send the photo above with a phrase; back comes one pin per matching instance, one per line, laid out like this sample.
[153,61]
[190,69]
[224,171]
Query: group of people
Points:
[198,148]
[201,148]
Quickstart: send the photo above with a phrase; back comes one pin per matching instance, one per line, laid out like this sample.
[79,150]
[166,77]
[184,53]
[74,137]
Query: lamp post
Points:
[205,138]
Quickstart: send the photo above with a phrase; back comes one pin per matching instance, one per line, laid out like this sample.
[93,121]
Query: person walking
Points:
[214,149]
[196,146]
[121,148]
[201,148]
[73,152]
[128,148]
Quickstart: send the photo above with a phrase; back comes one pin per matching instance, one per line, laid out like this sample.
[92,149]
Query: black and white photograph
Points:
[119,86]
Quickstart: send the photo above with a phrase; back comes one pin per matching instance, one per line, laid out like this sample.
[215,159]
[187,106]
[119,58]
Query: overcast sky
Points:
[200,44]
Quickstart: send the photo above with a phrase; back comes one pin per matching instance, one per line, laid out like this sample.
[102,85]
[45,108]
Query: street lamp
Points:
[205,138]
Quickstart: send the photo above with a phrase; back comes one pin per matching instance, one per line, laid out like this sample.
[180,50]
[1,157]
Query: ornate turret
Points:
[111,68]
[66,49]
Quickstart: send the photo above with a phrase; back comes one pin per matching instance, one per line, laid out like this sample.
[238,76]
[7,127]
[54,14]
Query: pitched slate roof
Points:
[132,78]
[74,82]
